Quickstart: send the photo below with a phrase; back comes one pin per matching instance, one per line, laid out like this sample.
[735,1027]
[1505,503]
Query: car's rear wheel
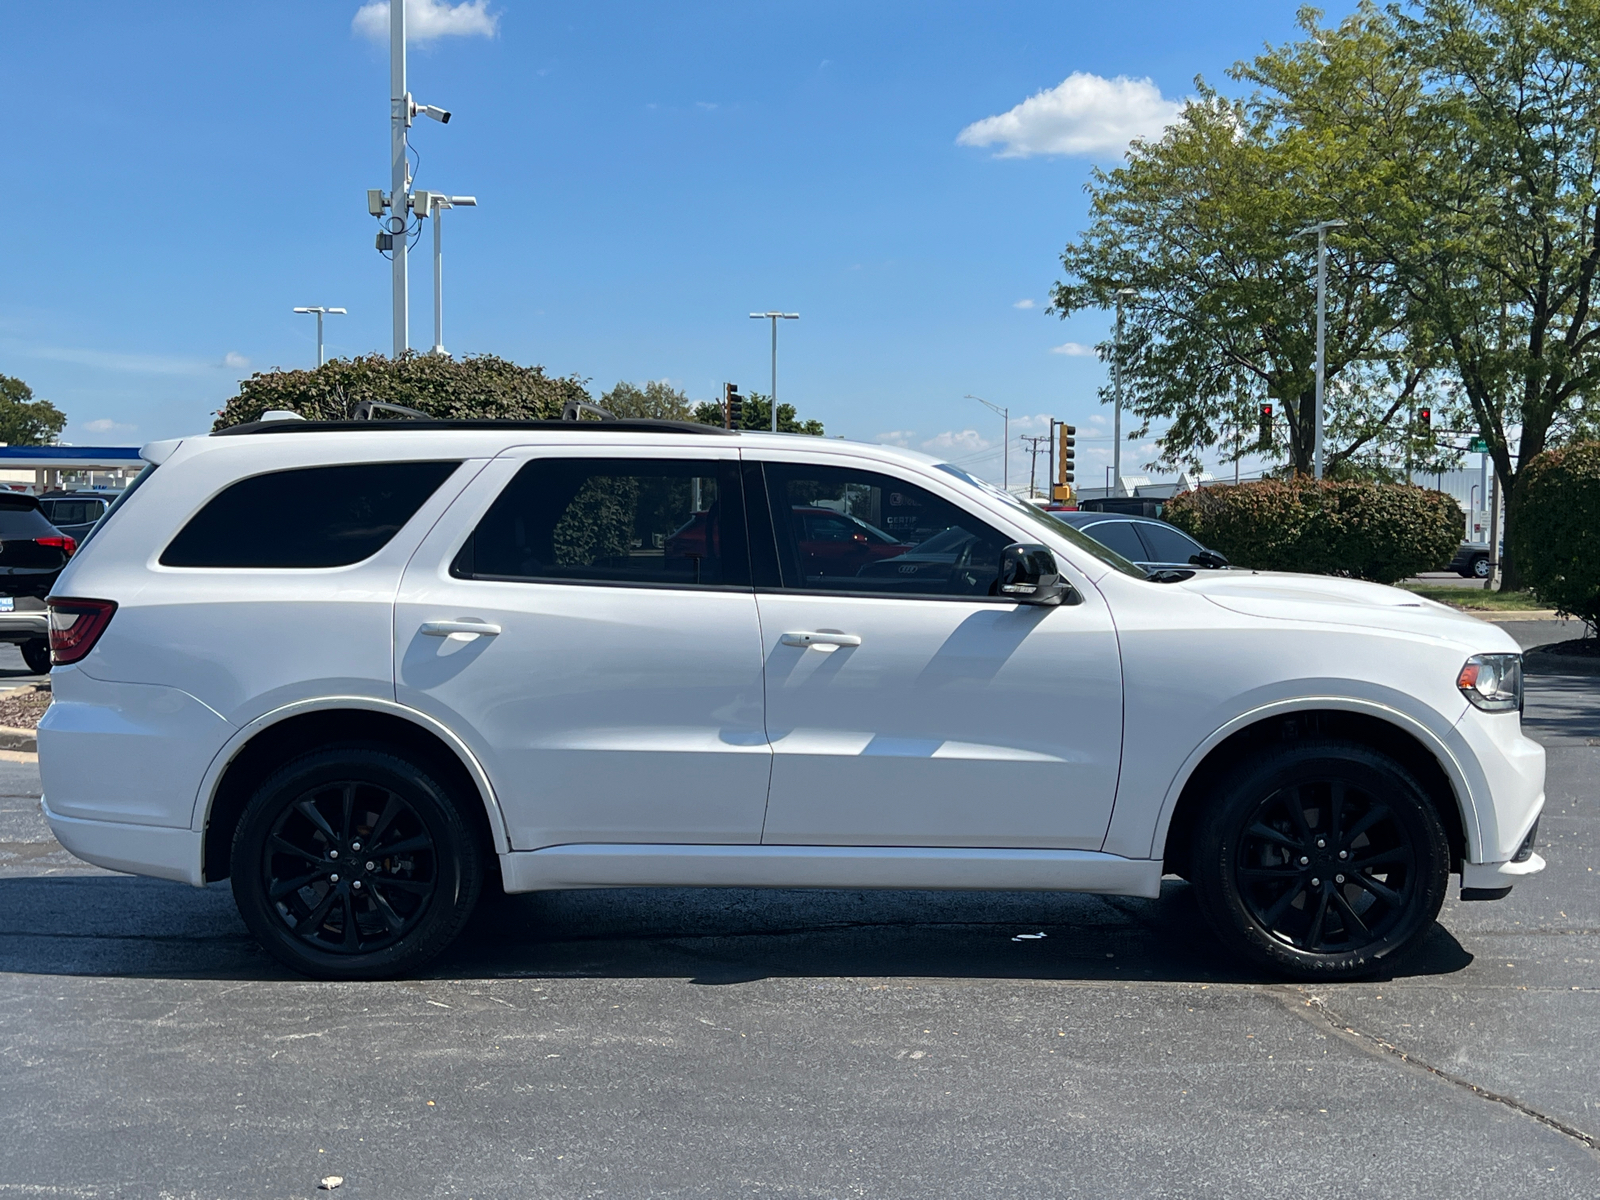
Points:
[352,863]
[1322,860]
[1480,567]
[36,654]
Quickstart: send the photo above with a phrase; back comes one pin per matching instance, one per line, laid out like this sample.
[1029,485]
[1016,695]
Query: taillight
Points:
[75,626]
[63,543]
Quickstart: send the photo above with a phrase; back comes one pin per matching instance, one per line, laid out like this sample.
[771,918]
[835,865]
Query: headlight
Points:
[1493,682]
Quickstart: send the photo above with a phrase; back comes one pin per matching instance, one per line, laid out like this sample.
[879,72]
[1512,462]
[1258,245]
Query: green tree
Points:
[757,416]
[477,386]
[1202,224]
[1473,169]
[657,400]
[25,421]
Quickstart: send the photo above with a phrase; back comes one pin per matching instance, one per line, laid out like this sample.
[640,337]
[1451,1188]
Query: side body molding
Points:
[207,793]
[1455,772]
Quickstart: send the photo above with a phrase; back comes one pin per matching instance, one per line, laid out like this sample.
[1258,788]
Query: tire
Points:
[36,654]
[1262,873]
[326,905]
[1480,567]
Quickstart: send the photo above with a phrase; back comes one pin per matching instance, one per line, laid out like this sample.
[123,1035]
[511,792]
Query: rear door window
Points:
[71,512]
[21,520]
[617,521]
[306,517]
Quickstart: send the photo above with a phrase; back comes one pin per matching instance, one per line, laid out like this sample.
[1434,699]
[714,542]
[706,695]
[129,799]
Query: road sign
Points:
[1478,446]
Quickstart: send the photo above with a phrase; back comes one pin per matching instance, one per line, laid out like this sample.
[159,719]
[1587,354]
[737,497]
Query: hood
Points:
[1329,600]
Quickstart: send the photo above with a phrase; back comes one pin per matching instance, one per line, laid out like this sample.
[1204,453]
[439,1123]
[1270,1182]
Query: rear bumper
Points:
[137,849]
[24,626]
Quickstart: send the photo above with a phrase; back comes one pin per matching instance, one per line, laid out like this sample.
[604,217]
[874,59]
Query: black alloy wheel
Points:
[1322,859]
[352,863]
[36,653]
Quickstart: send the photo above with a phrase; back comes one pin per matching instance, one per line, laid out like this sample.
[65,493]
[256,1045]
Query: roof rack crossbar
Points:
[366,408]
[573,410]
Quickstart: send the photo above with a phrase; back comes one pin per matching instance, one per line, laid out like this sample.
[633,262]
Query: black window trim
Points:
[717,461]
[769,529]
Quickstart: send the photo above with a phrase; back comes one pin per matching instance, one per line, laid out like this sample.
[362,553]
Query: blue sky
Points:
[181,175]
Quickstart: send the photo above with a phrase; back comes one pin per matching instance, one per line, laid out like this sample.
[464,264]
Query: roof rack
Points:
[624,425]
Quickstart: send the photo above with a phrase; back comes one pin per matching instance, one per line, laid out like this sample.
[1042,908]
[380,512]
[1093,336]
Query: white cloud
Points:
[106,360]
[1023,304]
[428,19]
[235,360]
[1086,116]
[897,437]
[1074,349]
[964,441]
[107,425]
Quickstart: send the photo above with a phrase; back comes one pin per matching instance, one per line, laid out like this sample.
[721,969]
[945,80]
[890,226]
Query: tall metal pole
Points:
[1116,409]
[1005,445]
[400,170]
[774,317]
[1322,345]
[320,359]
[436,211]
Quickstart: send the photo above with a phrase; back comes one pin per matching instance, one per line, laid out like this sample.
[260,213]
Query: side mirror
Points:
[1209,559]
[1028,575]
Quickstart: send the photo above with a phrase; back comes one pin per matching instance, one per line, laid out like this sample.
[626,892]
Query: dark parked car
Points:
[32,553]
[1153,545]
[1471,561]
[75,513]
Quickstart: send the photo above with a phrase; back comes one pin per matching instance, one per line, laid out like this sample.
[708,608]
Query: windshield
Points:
[1059,528]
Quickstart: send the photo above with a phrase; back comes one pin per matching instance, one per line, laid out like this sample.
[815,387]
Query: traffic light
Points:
[732,406]
[1064,464]
[1425,418]
[1266,426]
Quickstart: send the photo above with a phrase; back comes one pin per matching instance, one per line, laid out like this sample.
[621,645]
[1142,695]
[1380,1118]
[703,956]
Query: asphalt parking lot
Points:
[840,1044]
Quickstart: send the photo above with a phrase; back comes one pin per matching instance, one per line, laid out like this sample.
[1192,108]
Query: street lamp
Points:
[1005,444]
[774,317]
[1116,387]
[433,204]
[320,311]
[1321,230]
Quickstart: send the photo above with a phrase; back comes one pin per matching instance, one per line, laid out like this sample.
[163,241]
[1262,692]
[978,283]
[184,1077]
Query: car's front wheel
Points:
[1322,860]
[1480,567]
[352,863]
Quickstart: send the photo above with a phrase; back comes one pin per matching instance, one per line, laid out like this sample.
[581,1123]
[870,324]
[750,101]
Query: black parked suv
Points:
[75,513]
[32,553]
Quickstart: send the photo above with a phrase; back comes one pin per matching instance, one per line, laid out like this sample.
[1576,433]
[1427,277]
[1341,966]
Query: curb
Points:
[25,741]
[1537,662]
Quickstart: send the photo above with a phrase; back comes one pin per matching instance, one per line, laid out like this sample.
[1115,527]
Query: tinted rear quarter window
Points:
[306,517]
[20,519]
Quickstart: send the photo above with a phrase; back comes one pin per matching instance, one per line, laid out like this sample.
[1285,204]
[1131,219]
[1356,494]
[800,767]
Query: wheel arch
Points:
[1385,729]
[263,745]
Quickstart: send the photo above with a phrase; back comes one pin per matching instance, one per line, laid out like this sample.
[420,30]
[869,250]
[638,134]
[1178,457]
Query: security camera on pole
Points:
[396,229]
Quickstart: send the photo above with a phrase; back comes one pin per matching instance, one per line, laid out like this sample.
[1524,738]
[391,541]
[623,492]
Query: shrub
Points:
[478,386]
[1556,537]
[1379,531]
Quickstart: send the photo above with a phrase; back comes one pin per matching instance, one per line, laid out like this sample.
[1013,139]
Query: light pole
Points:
[1116,388]
[774,317]
[1321,230]
[433,204]
[1005,443]
[398,203]
[320,311]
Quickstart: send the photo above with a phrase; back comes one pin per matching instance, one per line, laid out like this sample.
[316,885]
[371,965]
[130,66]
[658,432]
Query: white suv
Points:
[366,669]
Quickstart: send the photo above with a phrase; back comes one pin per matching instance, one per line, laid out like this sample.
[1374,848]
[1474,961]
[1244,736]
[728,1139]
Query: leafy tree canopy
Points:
[757,416]
[481,386]
[657,400]
[25,421]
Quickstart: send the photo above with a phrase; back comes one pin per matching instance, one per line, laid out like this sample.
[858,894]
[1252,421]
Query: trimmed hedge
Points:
[1556,536]
[1384,532]
[480,385]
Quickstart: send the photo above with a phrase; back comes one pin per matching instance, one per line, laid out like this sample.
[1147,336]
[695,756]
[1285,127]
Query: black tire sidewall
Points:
[1236,798]
[458,862]
[39,649]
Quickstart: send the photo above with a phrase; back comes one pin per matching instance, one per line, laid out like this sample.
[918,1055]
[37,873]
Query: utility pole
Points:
[1116,385]
[1321,230]
[399,172]
[433,204]
[320,311]
[774,317]
[1005,443]
[1033,441]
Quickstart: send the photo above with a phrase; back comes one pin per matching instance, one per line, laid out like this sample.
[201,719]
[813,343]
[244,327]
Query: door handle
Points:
[452,628]
[804,640]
